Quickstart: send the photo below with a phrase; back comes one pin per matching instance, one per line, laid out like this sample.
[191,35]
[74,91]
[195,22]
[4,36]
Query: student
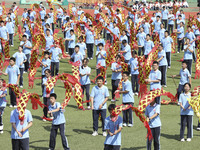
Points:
[55,58]
[167,45]
[49,40]
[90,41]
[20,60]
[3,31]
[113,128]
[58,122]
[148,45]
[186,113]
[154,79]
[188,51]
[13,78]
[51,14]
[26,50]
[10,27]
[115,30]
[101,57]
[185,78]
[3,102]
[116,75]
[127,99]
[126,51]
[67,36]
[77,55]
[42,13]
[82,46]
[147,27]
[85,73]
[161,31]
[162,65]
[99,97]
[141,38]
[109,25]
[46,98]
[123,37]
[71,44]
[98,40]
[133,62]
[180,37]
[165,14]
[171,19]
[152,113]
[156,25]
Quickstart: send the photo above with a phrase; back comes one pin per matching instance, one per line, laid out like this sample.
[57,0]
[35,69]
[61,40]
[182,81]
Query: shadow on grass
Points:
[38,148]
[36,117]
[134,148]
[48,128]
[7,131]
[79,131]
[168,136]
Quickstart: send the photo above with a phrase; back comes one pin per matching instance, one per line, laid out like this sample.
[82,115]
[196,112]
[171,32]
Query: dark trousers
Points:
[186,119]
[189,65]
[11,39]
[87,88]
[115,84]
[52,26]
[12,97]
[165,22]
[27,63]
[53,134]
[95,115]
[141,49]
[109,37]
[180,44]
[71,51]
[128,39]
[104,33]
[21,76]
[194,56]
[59,20]
[128,114]
[54,64]
[111,147]
[180,89]
[66,45]
[1,115]
[168,57]
[170,28]
[156,139]
[42,84]
[135,82]
[20,144]
[163,70]
[46,101]
[90,50]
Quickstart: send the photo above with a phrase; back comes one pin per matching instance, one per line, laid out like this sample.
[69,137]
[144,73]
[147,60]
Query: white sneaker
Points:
[1,127]
[124,124]
[113,100]
[66,52]
[21,86]
[15,106]
[104,133]
[44,120]
[88,107]
[51,118]
[130,125]
[94,133]
[188,139]
[11,106]
[12,45]
[182,50]
[106,83]
[165,86]
[1,132]
[198,128]
[169,67]
[24,72]
[183,140]
[91,58]
[133,94]
[136,93]
[177,52]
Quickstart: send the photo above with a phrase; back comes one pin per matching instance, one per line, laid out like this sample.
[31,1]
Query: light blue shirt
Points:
[89,37]
[116,75]
[49,42]
[99,41]
[156,26]
[141,38]
[112,127]
[78,57]
[163,61]
[146,27]
[84,80]
[181,34]
[10,27]
[191,36]
[161,34]
[99,95]
[58,117]
[42,14]
[82,48]
[165,14]
[150,111]
[100,59]
[46,62]
[185,74]
[20,57]
[60,12]
[14,118]
[55,54]
[116,31]
[110,27]
[196,31]
[127,54]
[13,72]
[170,19]
[123,38]
[148,45]
[71,43]
[44,80]
[179,21]
[158,14]
[155,75]
[25,49]
[188,54]
[24,15]
[3,101]
[127,97]
[133,62]
[3,33]
[183,98]
[167,44]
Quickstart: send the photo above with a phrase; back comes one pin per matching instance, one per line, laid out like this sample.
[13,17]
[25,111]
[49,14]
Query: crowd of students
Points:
[80,50]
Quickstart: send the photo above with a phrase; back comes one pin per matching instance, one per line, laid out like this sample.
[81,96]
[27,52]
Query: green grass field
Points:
[79,123]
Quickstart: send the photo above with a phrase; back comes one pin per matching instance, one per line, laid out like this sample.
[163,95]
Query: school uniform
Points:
[77,57]
[165,17]
[156,26]
[180,36]
[141,39]
[170,23]
[146,27]
[55,60]
[49,42]
[99,95]
[3,33]
[100,60]
[116,77]
[188,57]
[42,14]
[13,72]
[57,123]
[52,20]
[191,36]
[127,99]
[90,43]
[123,38]
[48,63]
[148,45]
[17,141]
[97,41]
[116,31]
[85,81]
[161,33]
[67,36]
[3,103]
[20,57]
[108,35]
[59,17]
[133,62]
[71,44]
[82,48]
[162,66]
[113,142]
[10,26]
[127,54]
[154,124]
[186,115]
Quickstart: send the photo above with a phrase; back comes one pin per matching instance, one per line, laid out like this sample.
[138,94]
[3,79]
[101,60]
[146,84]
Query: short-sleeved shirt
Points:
[155,75]
[181,34]
[100,59]
[183,98]
[165,14]
[3,101]
[146,27]
[167,43]
[150,111]
[163,61]
[99,41]
[123,38]
[55,54]
[141,38]
[191,36]
[127,97]
[13,72]
[71,43]
[3,33]
[89,37]
[116,31]
[20,57]
[133,62]
[127,54]
[116,75]
[185,74]
[170,20]
[84,80]
[112,127]
[42,14]
[49,42]
[26,50]
[77,57]
[44,80]
[82,48]
[161,34]
[148,45]
[10,27]
[188,54]
[156,26]
[46,62]
[58,117]
[14,118]
[99,95]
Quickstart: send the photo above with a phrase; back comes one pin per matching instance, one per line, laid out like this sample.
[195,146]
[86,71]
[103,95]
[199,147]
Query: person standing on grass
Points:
[19,132]
[13,78]
[10,27]
[186,113]
[99,97]
[152,113]
[113,128]
[82,45]
[20,60]
[180,37]
[141,36]
[127,99]
[188,52]
[71,43]
[55,110]
[101,57]
[148,46]
[49,40]
[126,51]
[77,55]
[90,41]
[98,40]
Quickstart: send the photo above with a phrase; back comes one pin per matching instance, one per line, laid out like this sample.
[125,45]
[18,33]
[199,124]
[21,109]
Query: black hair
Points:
[20,46]
[155,62]
[184,62]
[134,52]
[77,46]
[100,44]
[100,78]
[72,30]
[12,58]
[167,32]
[124,42]
[187,84]
[53,95]
[47,29]
[148,35]
[47,70]
[24,36]
[46,53]
[126,73]
[111,107]
[118,56]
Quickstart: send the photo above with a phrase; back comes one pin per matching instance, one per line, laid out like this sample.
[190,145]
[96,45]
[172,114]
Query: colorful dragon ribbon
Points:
[174,38]
[102,73]
[197,65]
[75,69]
[7,54]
